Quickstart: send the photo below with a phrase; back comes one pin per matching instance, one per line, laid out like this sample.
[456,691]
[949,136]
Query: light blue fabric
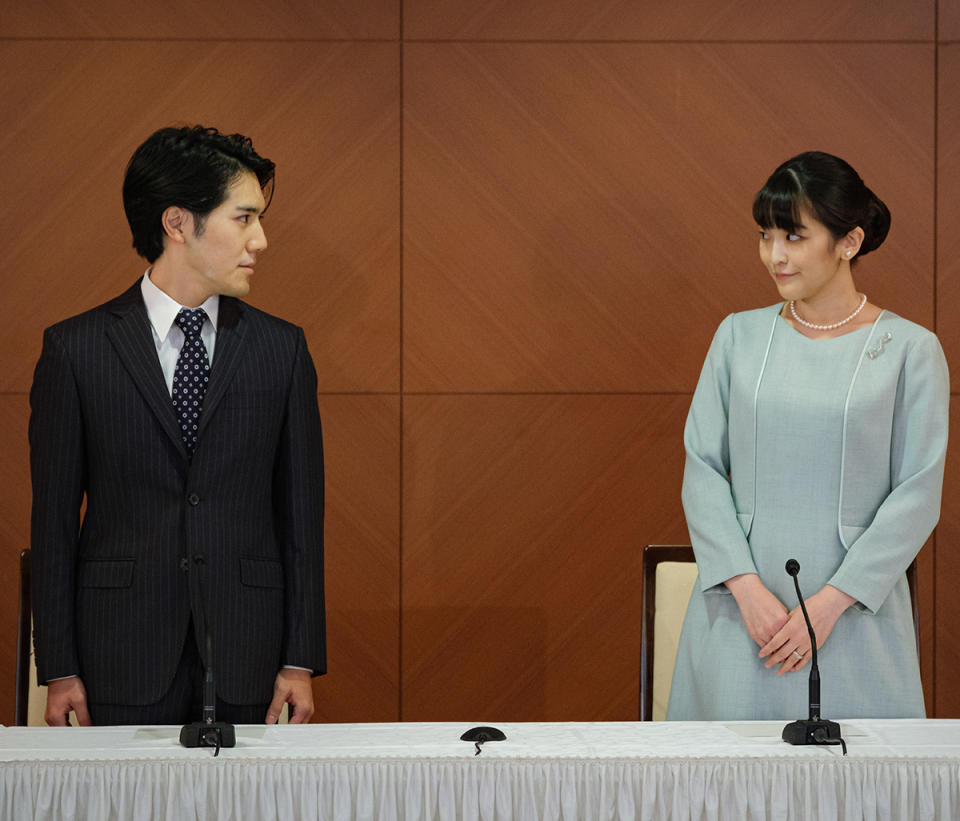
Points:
[828,451]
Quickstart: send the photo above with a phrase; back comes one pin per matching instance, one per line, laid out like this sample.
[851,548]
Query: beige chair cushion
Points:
[37,696]
[674,582]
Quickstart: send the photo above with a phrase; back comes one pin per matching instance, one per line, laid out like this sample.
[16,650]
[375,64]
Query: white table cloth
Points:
[904,769]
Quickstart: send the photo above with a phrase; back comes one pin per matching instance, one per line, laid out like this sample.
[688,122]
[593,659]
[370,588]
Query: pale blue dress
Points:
[834,451]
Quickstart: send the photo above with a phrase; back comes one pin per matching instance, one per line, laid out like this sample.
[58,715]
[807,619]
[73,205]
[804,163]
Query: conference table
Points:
[895,769]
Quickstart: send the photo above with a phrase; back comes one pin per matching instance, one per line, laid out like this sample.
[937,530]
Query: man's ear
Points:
[177,222]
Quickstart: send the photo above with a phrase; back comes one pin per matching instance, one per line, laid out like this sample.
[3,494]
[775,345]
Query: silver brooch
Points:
[873,353]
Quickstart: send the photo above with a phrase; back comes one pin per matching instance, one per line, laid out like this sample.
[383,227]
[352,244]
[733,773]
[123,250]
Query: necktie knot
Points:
[190,321]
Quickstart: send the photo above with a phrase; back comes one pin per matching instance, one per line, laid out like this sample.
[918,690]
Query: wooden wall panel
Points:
[524,518]
[948,206]
[212,19]
[326,113]
[947,643]
[823,20]
[927,612]
[576,220]
[947,640]
[577,217]
[948,20]
[14,535]
[362,556]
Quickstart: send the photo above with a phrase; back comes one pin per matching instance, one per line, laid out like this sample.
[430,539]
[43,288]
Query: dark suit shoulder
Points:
[256,315]
[261,330]
[95,319]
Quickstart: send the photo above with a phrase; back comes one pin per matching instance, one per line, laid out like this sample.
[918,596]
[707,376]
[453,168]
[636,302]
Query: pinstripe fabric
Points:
[183,701]
[235,535]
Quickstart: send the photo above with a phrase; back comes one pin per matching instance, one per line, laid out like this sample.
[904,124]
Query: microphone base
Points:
[811,731]
[202,734]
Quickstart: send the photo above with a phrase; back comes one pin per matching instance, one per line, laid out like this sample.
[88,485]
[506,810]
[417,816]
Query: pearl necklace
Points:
[813,326]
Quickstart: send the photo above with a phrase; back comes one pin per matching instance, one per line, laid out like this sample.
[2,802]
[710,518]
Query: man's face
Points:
[221,254]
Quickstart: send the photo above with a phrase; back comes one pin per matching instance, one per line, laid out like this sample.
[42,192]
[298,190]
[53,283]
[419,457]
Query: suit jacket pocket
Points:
[106,572]
[261,572]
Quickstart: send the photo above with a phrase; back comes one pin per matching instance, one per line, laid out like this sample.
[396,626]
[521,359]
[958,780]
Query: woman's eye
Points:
[793,237]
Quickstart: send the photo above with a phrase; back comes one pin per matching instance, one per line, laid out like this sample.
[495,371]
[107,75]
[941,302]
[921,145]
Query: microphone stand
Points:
[208,732]
[814,730]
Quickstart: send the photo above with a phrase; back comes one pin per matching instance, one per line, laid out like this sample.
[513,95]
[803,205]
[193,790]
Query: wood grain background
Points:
[509,228]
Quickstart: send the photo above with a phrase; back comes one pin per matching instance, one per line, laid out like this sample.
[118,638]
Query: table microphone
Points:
[208,732]
[813,730]
[481,735]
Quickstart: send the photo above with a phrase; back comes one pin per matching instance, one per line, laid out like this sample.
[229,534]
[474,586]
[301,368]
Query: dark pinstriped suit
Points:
[241,524]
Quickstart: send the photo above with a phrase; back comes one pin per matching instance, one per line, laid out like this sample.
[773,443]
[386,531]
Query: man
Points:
[193,437]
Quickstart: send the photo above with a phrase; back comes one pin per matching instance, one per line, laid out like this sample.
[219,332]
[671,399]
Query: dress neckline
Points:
[790,327]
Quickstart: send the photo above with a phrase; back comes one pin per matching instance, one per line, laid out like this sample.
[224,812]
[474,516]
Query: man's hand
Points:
[292,687]
[763,613]
[64,695]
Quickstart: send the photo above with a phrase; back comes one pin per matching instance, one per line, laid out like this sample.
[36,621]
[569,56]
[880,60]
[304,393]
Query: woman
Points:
[817,431]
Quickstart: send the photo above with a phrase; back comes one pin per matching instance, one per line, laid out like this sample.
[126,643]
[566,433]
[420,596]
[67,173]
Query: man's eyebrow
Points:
[249,209]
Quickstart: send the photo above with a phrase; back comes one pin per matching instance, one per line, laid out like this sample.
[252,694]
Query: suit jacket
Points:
[232,537]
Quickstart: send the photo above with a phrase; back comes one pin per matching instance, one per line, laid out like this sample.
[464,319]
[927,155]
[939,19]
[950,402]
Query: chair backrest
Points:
[914,599]
[23,643]
[660,557]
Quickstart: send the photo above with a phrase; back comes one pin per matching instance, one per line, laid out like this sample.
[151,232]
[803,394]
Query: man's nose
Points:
[258,242]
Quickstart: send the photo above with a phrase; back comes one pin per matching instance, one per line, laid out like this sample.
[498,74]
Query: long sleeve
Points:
[718,540]
[57,459]
[299,507]
[906,517]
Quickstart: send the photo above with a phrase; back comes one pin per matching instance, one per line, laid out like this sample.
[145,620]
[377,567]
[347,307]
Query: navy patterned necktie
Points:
[191,376]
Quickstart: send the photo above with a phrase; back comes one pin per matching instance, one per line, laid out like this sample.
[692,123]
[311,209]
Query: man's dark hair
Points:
[189,167]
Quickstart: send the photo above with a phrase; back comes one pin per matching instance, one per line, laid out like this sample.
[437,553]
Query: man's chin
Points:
[236,289]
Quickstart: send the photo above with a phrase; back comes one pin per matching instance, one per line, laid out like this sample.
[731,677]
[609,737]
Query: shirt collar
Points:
[162,309]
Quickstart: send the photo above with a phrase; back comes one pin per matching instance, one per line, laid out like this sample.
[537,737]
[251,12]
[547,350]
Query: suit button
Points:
[193,499]
[184,563]
[199,559]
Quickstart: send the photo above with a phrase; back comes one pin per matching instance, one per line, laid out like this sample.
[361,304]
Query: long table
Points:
[896,769]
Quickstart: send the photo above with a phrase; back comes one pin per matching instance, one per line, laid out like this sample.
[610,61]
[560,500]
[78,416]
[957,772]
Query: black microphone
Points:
[813,730]
[208,732]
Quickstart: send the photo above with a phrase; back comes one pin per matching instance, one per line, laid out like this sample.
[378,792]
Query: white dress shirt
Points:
[162,310]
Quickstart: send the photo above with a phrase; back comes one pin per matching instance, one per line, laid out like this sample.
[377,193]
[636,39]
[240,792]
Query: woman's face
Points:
[804,264]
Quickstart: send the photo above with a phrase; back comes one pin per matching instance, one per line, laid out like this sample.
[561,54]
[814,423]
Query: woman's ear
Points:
[849,246]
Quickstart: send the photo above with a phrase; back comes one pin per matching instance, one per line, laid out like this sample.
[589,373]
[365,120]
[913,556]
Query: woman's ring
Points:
[798,655]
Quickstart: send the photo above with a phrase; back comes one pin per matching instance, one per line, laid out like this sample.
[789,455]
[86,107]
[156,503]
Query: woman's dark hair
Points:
[189,167]
[831,190]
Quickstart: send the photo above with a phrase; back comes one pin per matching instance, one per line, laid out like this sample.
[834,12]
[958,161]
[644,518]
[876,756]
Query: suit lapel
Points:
[133,341]
[231,330]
